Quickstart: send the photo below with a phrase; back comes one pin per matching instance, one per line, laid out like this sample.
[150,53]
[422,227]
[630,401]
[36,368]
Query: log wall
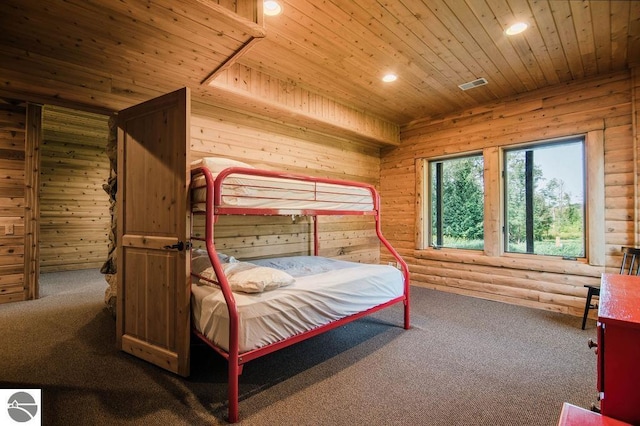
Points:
[12,202]
[74,208]
[261,144]
[603,107]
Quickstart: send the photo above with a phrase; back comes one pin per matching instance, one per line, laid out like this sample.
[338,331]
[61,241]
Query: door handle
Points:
[178,246]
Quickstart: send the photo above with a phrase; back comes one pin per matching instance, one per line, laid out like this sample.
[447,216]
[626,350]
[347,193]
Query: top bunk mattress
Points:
[284,193]
[324,290]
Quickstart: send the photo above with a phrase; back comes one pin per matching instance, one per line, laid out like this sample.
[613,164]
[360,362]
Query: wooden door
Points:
[152,198]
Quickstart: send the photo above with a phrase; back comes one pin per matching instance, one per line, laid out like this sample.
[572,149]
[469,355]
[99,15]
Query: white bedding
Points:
[324,290]
[242,190]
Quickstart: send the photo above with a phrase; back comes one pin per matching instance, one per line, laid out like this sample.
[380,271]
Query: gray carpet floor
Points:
[465,361]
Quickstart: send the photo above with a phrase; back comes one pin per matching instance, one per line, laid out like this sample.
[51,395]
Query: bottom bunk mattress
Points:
[324,290]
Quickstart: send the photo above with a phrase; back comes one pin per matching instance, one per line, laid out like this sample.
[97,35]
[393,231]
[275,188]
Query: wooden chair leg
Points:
[587,307]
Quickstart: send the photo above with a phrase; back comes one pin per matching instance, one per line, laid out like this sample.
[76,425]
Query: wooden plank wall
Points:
[261,144]
[635,73]
[601,104]
[74,208]
[12,202]
[33,141]
[268,93]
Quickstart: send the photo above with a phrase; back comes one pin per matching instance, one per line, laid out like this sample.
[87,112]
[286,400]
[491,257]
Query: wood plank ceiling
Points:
[106,55]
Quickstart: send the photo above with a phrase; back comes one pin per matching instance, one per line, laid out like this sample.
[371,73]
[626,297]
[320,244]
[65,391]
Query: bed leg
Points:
[406,315]
[234,373]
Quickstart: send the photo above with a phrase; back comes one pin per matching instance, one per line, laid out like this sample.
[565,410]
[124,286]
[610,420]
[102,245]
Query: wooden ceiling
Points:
[108,54]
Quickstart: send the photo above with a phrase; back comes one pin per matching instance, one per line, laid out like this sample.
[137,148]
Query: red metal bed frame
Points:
[214,208]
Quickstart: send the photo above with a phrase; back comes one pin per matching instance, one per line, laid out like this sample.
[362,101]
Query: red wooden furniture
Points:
[618,347]
[576,416]
[630,265]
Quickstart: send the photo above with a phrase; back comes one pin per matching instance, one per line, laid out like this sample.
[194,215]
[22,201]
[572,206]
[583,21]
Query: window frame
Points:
[582,138]
[429,168]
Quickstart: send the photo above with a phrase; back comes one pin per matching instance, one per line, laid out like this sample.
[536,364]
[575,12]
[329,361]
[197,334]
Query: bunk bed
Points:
[244,310]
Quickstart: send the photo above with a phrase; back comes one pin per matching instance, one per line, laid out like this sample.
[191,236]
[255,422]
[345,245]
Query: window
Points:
[544,199]
[457,202]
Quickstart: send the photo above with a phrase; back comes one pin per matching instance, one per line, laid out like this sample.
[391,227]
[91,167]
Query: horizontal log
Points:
[533,263]
[13,297]
[11,259]
[12,269]
[503,299]
[12,191]
[10,249]
[542,283]
[11,279]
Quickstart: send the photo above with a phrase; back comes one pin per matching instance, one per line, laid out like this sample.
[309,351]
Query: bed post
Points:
[232,384]
[400,261]
[316,244]
[233,357]
[407,323]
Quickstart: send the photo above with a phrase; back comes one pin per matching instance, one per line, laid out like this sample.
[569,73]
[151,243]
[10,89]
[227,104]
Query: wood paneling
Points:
[144,54]
[112,54]
[74,208]
[349,237]
[33,141]
[634,193]
[257,89]
[12,202]
[602,106]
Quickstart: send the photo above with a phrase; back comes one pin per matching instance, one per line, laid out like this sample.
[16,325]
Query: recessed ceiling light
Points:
[272,8]
[388,78]
[516,28]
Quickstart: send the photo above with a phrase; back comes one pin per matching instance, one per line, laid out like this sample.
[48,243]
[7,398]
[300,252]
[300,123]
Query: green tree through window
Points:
[544,193]
[457,202]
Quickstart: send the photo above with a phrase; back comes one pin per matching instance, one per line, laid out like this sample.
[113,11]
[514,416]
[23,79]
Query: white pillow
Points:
[200,260]
[249,278]
[217,164]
